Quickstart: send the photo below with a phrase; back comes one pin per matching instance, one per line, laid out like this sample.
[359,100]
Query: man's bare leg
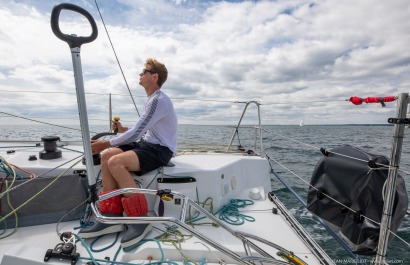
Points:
[120,166]
[108,181]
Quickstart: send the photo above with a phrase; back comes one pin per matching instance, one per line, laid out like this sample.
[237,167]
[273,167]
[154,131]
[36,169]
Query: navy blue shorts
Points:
[151,156]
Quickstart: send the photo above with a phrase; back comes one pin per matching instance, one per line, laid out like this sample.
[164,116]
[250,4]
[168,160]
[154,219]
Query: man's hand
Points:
[118,125]
[98,146]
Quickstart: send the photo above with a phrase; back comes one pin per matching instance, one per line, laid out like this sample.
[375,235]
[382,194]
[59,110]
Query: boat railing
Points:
[258,128]
[186,203]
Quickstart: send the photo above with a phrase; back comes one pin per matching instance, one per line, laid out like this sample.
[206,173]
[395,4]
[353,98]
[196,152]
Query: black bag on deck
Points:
[358,185]
[63,195]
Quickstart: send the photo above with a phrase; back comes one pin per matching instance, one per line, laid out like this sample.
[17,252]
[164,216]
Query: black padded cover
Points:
[357,185]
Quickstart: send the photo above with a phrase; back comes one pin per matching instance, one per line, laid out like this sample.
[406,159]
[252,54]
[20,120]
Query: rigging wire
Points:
[42,122]
[301,102]
[106,94]
[116,57]
[60,92]
[21,117]
[329,151]
[175,98]
[58,118]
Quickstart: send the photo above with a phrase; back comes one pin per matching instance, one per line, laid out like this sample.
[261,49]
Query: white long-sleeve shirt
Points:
[157,125]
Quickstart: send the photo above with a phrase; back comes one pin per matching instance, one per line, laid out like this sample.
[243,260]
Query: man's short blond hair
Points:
[158,68]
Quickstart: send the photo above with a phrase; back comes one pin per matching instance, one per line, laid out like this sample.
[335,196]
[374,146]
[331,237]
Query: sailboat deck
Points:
[218,176]
[267,225]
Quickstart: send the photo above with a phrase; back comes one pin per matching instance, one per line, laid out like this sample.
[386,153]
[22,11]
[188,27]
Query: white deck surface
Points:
[267,225]
[219,176]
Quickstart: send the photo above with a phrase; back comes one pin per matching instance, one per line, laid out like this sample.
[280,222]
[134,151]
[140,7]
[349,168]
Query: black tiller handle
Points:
[72,41]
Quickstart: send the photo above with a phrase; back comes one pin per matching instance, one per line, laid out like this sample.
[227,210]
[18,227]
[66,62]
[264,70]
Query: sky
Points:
[301,60]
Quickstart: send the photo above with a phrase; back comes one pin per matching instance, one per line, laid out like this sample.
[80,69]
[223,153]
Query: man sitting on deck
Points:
[156,132]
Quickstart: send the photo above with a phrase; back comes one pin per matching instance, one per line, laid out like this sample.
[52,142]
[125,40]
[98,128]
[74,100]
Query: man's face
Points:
[147,76]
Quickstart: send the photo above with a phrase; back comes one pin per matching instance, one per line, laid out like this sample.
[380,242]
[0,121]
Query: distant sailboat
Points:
[301,123]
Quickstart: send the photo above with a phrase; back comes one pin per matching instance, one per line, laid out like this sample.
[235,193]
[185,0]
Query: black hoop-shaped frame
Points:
[72,41]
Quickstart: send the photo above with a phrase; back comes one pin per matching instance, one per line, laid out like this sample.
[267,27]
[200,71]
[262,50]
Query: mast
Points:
[391,179]
[110,115]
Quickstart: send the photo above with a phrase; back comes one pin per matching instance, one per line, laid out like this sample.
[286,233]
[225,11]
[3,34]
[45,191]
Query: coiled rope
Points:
[230,212]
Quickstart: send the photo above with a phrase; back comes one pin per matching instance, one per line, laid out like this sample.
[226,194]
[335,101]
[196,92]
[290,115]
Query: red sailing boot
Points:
[111,207]
[136,205]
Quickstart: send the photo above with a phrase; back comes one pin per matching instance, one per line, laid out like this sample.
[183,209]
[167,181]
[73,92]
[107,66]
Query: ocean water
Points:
[296,148]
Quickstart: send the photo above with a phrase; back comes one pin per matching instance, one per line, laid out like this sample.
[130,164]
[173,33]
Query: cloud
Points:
[298,58]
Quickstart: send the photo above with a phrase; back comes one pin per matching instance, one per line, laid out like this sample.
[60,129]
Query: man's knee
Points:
[125,160]
[114,161]
[105,156]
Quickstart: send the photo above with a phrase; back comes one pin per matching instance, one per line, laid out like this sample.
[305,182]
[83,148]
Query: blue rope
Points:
[88,250]
[230,212]
[105,248]
[85,219]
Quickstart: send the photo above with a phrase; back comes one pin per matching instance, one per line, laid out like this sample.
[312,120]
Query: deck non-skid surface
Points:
[266,225]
